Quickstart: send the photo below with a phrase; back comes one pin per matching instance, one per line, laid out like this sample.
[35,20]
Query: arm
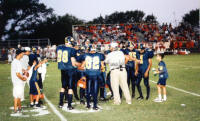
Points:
[21,77]
[126,59]
[149,67]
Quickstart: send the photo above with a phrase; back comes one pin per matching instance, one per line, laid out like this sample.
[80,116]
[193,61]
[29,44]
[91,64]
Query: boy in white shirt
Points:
[17,80]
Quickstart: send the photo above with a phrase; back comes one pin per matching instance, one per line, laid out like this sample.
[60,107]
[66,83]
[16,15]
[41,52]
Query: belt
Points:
[117,68]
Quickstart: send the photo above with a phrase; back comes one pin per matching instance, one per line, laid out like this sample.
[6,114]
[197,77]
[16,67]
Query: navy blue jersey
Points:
[163,70]
[144,63]
[34,77]
[93,63]
[134,54]
[64,55]
[33,57]
[150,52]
[123,50]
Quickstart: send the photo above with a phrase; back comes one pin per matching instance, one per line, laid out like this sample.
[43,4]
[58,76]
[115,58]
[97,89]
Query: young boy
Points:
[163,75]
[34,87]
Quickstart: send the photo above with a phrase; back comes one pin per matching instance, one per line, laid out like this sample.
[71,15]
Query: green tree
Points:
[192,17]
[18,17]
[150,19]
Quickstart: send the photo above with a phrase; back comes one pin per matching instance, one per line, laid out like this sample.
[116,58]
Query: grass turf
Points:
[184,73]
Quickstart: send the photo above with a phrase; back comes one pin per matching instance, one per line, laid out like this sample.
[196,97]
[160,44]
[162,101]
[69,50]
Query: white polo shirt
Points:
[16,67]
[24,62]
[115,59]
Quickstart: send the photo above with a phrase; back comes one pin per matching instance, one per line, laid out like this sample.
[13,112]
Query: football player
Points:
[142,70]
[130,66]
[93,62]
[66,62]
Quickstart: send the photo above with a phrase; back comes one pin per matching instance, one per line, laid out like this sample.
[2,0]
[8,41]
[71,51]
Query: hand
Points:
[136,73]
[24,78]
[146,74]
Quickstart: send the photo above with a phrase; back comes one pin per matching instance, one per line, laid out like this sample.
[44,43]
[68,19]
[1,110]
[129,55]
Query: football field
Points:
[183,93]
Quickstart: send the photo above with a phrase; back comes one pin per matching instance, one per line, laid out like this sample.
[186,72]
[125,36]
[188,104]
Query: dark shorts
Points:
[33,89]
[162,81]
[67,78]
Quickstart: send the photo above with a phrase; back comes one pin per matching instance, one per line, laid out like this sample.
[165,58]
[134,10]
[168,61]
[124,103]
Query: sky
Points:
[170,11]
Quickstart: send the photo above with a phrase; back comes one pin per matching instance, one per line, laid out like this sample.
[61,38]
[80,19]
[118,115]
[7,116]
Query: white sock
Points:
[165,97]
[159,97]
[36,103]
[32,103]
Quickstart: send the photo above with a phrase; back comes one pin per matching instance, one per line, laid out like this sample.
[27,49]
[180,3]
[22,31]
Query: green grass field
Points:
[184,72]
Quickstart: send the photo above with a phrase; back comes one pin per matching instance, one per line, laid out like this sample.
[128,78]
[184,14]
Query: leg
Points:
[88,91]
[133,78]
[139,78]
[15,104]
[109,84]
[115,86]
[70,80]
[96,87]
[124,86]
[62,90]
[146,83]
[159,92]
[164,93]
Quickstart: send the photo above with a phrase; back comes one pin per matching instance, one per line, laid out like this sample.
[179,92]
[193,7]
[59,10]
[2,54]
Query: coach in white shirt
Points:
[25,66]
[118,74]
[17,80]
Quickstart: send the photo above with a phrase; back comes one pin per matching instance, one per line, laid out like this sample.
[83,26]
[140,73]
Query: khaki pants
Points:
[119,78]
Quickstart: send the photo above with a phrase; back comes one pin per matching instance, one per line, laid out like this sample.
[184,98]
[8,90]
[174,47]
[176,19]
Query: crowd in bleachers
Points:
[178,37]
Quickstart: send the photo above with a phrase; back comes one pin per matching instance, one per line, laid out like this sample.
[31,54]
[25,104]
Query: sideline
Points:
[181,90]
[62,118]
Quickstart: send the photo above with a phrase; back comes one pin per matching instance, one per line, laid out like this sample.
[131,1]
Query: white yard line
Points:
[62,118]
[181,90]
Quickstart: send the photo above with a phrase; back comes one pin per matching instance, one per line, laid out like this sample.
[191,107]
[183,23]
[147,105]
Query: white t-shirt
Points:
[115,59]
[16,67]
[24,62]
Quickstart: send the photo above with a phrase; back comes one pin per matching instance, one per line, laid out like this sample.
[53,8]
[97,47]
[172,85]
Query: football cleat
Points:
[70,108]
[140,98]
[31,105]
[88,107]
[95,108]
[82,102]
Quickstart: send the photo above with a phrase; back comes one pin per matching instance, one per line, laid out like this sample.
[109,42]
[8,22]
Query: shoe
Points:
[103,99]
[70,108]
[129,103]
[140,98]
[40,102]
[31,105]
[38,105]
[60,105]
[164,99]
[82,102]
[77,98]
[95,108]
[16,113]
[147,97]
[157,100]
[88,107]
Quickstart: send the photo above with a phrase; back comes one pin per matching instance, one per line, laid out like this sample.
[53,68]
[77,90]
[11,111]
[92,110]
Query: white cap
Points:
[27,49]
[114,44]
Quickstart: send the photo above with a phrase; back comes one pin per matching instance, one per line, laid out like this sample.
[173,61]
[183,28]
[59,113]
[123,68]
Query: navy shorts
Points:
[162,81]
[67,78]
[33,89]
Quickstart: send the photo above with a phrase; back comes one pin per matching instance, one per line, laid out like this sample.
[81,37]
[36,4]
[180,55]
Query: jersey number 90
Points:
[92,62]
[62,56]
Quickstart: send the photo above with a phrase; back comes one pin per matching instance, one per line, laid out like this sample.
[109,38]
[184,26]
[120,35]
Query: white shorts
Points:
[18,91]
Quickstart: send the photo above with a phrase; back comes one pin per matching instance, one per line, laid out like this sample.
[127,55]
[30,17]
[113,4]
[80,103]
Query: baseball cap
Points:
[19,51]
